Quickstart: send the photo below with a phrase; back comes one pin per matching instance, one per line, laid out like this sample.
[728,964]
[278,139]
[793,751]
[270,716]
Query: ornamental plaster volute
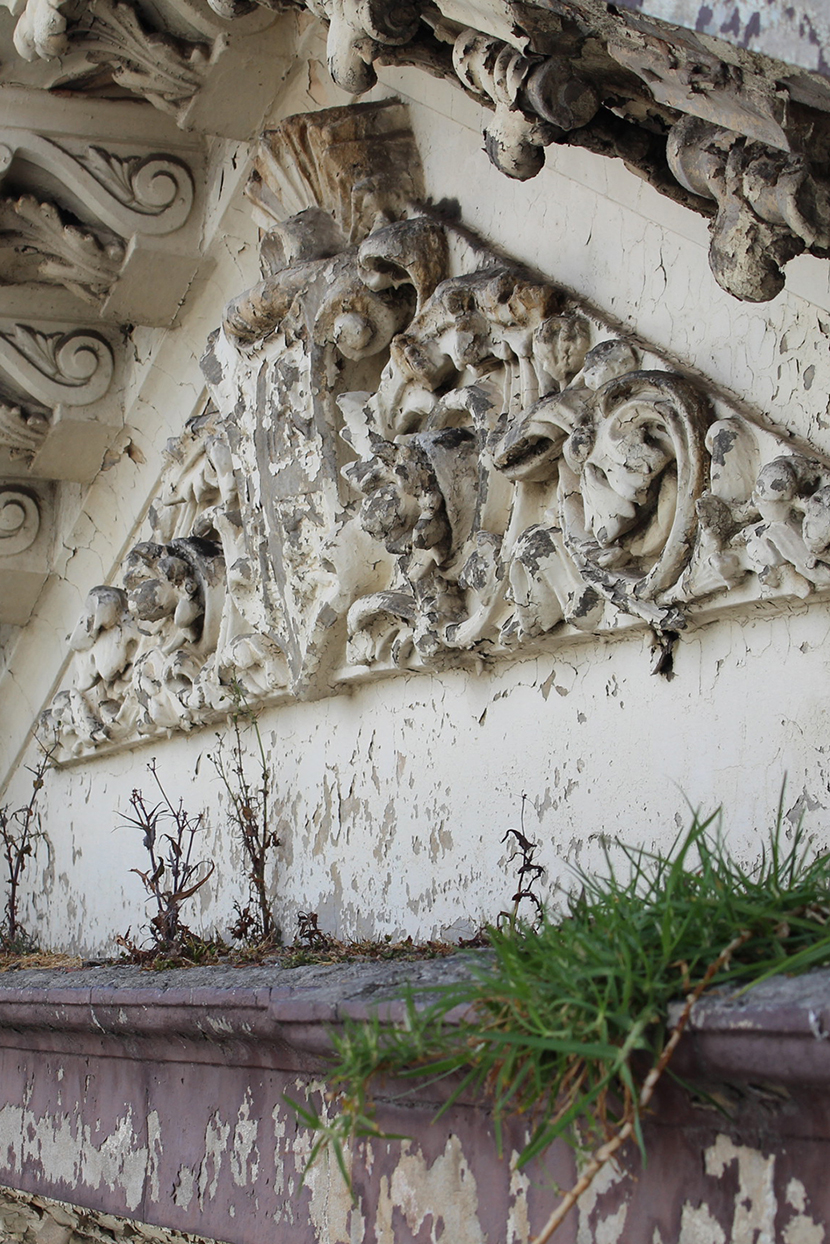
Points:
[100,227]
[417,455]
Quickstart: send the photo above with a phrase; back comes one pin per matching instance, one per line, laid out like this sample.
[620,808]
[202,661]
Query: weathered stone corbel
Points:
[60,401]
[61,395]
[771,205]
[89,218]
[180,57]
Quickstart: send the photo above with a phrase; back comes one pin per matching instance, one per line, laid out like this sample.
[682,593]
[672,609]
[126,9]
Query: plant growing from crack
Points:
[169,834]
[528,873]
[250,818]
[568,1023]
[20,833]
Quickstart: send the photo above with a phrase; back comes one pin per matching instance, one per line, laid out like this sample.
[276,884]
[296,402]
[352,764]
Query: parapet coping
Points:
[777,1031]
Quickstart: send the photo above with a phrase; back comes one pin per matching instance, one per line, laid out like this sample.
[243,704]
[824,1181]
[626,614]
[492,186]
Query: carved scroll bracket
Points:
[91,219]
[178,55]
[25,522]
[61,396]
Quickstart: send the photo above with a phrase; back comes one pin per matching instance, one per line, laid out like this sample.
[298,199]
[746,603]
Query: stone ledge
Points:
[161,1097]
[732,1034]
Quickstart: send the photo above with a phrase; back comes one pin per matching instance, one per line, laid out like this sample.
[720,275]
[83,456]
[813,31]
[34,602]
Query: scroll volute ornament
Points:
[358,29]
[633,469]
[19,520]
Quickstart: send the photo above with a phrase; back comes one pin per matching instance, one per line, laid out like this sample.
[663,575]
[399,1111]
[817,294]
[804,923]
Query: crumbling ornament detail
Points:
[771,205]
[421,455]
[536,99]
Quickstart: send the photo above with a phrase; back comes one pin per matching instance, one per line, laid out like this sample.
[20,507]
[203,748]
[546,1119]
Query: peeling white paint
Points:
[244,1155]
[755,1203]
[215,1148]
[439,1196]
[184,1187]
[65,1147]
[609,1228]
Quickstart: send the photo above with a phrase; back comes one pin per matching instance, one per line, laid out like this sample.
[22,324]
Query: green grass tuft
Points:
[567,1021]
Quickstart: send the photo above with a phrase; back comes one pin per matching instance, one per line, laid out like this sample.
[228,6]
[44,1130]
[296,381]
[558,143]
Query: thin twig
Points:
[626,1130]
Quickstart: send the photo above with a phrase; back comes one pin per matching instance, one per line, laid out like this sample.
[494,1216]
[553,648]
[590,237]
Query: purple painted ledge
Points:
[160,1097]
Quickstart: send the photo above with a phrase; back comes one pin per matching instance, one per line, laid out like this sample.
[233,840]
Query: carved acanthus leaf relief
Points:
[109,36]
[22,432]
[38,245]
[422,455]
[115,197]
[161,652]
[42,371]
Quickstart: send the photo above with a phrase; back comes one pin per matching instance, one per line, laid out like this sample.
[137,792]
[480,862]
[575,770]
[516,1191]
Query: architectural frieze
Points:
[419,454]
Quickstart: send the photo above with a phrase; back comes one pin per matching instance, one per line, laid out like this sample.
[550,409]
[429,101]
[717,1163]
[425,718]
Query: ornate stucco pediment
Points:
[419,454]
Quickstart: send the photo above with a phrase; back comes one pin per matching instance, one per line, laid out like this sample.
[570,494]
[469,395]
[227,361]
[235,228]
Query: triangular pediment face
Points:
[420,454]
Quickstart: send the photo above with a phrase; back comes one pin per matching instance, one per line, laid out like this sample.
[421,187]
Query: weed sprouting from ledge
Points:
[250,818]
[529,873]
[567,1023]
[20,833]
[169,834]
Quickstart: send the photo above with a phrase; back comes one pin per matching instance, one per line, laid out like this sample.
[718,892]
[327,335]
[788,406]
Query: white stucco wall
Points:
[392,800]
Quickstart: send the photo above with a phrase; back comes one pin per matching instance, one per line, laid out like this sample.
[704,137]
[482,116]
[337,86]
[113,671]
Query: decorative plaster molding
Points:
[19,520]
[60,397]
[163,69]
[178,55]
[75,368]
[25,545]
[726,132]
[119,199]
[91,227]
[421,455]
[733,135]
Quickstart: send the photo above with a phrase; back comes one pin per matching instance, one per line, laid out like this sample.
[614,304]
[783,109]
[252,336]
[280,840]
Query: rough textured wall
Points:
[29,1219]
[392,803]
